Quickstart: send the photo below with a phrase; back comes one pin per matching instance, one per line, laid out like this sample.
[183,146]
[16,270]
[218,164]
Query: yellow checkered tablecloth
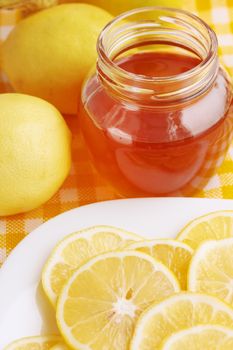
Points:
[83,184]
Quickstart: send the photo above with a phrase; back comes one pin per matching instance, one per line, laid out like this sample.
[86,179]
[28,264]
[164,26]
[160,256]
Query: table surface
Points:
[83,184]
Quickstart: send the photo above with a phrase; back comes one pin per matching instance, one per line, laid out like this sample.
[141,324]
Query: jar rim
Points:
[212,51]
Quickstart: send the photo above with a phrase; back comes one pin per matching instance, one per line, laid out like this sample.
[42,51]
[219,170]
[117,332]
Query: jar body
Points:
[153,151]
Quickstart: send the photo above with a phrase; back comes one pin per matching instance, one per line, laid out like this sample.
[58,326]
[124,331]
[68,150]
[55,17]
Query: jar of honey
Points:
[157,114]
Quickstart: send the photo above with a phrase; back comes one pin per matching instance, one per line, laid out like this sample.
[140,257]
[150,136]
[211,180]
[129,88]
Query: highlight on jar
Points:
[157,114]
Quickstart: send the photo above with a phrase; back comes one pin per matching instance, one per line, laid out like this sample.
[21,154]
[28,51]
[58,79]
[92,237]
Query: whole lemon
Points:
[35,152]
[116,7]
[49,53]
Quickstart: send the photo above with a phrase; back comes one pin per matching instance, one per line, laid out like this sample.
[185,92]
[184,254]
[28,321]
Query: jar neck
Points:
[157,28]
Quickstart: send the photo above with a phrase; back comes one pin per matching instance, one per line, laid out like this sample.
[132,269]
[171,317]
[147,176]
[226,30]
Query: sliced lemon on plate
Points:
[76,249]
[211,269]
[176,313]
[175,255]
[217,225]
[101,302]
[34,343]
[201,338]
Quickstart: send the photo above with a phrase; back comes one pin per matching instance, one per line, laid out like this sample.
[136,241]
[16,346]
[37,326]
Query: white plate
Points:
[24,310]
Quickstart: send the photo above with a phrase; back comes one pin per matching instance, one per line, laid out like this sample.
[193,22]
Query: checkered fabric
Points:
[83,184]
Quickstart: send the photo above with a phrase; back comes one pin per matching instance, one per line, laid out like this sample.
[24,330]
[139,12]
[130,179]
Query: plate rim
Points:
[60,216]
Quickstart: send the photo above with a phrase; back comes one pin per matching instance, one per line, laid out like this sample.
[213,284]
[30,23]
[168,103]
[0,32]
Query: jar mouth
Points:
[163,25]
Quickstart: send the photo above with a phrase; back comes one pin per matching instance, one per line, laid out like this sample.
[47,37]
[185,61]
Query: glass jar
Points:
[157,114]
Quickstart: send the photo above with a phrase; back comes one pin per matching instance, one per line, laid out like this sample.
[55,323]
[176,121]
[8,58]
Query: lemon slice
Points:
[101,302]
[34,343]
[211,269]
[176,313]
[77,249]
[201,338]
[217,225]
[175,255]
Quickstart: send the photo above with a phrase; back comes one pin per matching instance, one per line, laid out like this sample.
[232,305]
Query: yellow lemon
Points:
[201,338]
[175,255]
[49,53]
[216,225]
[118,6]
[34,343]
[75,250]
[34,152]
[100,304]
[177,313]
[211,269]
